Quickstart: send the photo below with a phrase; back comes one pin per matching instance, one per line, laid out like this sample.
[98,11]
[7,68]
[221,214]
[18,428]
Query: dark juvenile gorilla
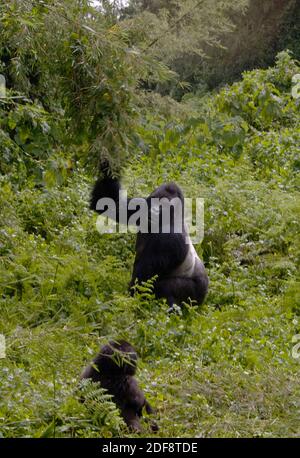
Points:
[114,368]
[171,256]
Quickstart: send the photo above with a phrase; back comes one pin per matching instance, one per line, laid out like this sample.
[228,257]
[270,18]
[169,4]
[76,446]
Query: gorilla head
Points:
[117,358]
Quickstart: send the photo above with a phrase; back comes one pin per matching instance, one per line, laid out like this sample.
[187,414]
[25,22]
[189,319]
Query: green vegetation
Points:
[74,93]
[211,42]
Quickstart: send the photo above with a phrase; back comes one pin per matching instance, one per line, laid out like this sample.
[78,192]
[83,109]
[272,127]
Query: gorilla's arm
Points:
[108,187]
[105,186]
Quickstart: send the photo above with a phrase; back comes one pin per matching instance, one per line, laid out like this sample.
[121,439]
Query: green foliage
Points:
[264,97]
[211,43]
[29,135]
[258,115]
[182,34]
[82,69]
[264,30]
[224,370]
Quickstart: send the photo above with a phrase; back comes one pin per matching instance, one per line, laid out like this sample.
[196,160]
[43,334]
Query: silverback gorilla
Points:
[114,368]
[170,254]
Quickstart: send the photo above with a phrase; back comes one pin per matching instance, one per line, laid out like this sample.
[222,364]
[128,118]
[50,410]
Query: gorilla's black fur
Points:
[171,256]
[114,368]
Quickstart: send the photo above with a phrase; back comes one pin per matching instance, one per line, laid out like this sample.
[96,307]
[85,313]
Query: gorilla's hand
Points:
[105,168]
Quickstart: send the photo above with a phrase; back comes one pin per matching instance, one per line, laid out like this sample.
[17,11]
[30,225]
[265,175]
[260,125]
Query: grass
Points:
[223,370]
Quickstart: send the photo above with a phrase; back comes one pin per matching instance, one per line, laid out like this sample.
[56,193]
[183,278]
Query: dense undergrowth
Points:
[225,369]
